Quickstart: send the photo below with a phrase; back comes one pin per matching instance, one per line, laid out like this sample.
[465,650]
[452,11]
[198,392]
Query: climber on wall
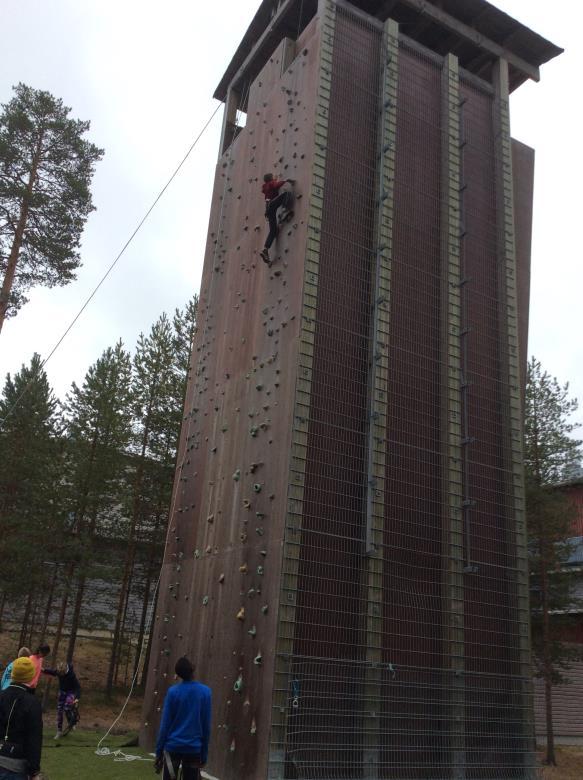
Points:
[273,201]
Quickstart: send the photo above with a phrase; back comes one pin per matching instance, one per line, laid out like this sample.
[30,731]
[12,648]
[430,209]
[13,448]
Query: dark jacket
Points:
[25,731]
[68,682]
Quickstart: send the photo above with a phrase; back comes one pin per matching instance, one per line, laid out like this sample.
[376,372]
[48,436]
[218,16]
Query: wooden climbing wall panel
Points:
[224,546]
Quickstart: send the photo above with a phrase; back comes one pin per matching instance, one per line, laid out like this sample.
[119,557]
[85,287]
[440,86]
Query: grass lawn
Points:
[74,758]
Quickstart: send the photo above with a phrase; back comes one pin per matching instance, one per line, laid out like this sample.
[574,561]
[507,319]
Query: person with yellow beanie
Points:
[21,725]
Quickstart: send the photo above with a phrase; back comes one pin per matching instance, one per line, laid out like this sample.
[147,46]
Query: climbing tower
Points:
[346,557]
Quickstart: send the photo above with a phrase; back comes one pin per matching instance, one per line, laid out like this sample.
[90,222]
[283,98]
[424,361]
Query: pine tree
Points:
[153,380]
[30,508]
[550,452]
[46,167]
[99,430]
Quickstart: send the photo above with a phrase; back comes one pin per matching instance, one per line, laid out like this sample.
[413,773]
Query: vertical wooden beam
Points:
[295,503]
[451,416]
[229,120]
[378,400]
[509,358]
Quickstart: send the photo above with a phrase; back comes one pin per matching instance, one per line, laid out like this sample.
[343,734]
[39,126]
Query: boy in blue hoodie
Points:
[183,739]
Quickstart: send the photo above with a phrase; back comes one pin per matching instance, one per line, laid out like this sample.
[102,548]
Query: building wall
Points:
[357,666]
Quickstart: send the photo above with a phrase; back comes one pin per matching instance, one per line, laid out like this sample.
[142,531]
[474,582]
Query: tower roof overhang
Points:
[475,31]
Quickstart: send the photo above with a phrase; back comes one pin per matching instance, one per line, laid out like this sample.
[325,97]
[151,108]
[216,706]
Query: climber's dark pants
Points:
[190,765]
[271,214]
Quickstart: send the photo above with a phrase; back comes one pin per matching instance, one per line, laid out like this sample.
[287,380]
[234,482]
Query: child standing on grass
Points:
[38,660]
[22,653]
[69,691]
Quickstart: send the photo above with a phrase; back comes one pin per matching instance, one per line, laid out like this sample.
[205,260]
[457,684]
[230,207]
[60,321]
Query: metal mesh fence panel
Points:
[433,712]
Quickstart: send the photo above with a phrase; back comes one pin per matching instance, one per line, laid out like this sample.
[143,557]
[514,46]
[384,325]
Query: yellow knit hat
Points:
[23,671]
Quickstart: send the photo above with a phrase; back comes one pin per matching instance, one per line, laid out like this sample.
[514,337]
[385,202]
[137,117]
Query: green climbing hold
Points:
[238,686]
[205,601]
[258,659]
[260,570]
[257,487]
[264,609]
[252,631]
[237,475]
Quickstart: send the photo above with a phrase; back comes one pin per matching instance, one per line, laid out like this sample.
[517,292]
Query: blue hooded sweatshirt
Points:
[186,720]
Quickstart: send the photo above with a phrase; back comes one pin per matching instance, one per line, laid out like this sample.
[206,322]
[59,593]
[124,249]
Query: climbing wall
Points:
[345,560]
[219,590]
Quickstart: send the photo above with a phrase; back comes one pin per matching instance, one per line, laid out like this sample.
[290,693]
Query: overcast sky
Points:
[144,72]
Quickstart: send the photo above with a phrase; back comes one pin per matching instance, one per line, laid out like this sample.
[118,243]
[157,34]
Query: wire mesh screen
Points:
[410,727]
[323,732]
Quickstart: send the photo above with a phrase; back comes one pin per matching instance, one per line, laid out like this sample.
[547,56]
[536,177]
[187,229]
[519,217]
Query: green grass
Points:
[74,758]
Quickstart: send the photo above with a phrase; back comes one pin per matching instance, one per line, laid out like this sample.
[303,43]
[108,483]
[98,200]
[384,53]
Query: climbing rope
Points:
[119,755]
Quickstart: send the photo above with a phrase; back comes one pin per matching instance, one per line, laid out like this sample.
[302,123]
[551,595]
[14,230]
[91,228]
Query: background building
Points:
[346,558]
[567,710]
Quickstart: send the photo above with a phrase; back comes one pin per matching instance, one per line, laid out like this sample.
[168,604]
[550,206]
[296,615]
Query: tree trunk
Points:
[19,234]
[60,625]
[76,616]
[550,757]
[138,482]
[547,664]
[49,606]
[125,613]
[32,622]
[2,605]
[25,620]
[149,645]
[146,601]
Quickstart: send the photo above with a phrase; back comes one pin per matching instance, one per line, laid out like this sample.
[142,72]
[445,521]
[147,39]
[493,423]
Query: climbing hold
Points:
[205,601]
[238,686]
[253,729]
[252,631]
[258,659]
[221,577]
[232,748]
[264,609]
[263,552]
[243,568]
[237,475]
[253,431]
[243,536]
[260,515]
[259,531]
[210,518]
[260,570]
[241,614]
[197,553]
[257,487]
[246,503]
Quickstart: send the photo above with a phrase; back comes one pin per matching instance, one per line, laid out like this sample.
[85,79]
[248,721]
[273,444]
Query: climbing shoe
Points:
[264,254]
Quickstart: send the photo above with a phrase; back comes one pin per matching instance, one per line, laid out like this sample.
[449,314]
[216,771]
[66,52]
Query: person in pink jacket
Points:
[38,659]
